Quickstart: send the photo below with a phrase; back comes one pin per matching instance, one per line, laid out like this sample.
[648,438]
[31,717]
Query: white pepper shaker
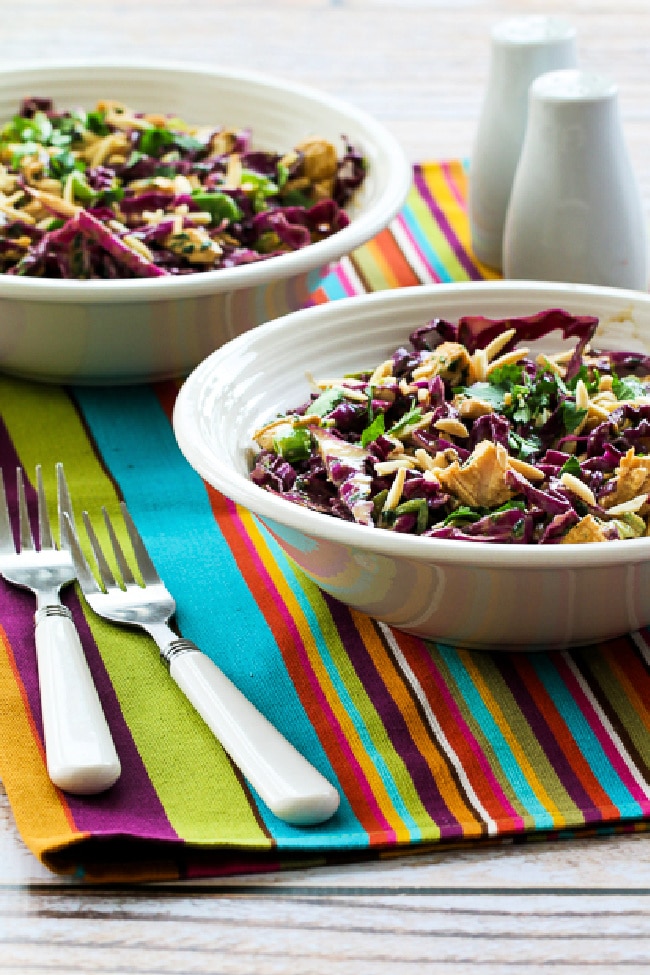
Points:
[522,48]
[575,211]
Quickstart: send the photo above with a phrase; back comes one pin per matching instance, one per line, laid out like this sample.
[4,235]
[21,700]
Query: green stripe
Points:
[370,270]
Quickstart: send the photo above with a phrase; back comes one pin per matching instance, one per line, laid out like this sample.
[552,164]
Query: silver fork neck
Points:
[46,598]
[168,642]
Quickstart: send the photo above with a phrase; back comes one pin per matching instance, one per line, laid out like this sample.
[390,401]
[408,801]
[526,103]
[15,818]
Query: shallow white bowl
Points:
[140,330]
[474,595]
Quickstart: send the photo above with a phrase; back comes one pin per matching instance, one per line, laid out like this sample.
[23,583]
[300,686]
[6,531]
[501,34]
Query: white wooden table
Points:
[570,906]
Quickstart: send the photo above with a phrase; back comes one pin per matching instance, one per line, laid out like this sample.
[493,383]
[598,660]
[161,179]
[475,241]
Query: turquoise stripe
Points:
[298,589]
[170,506]
[411,221]
[495,740]
[333,287]
[583,735]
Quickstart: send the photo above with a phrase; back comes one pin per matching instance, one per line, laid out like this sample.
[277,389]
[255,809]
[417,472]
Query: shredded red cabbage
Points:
[464,435]
[117,194]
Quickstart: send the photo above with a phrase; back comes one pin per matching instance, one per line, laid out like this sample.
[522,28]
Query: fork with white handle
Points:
[80,753]
[289,785]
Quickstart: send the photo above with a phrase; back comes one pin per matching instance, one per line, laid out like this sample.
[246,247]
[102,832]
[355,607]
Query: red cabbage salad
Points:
[113,193]
[465,435]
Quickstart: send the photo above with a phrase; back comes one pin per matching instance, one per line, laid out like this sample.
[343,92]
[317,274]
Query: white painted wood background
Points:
[571,906]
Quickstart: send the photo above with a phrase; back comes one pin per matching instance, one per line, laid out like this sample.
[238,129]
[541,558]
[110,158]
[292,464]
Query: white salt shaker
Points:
[575,212]
[522,48]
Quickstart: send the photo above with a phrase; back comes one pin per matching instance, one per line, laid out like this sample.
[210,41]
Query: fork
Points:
[80,753]
[289,785]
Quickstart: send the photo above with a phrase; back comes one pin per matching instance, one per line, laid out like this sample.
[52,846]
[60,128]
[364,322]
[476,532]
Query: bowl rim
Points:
[314,524]
[360,229]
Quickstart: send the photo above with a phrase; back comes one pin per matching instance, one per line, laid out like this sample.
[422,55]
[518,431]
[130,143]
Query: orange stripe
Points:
[47,824]
[395,268]
[319,297]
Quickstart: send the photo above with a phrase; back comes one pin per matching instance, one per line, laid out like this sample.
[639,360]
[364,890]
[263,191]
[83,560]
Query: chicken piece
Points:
[194,244]
[632,479]
[320,162]
[448,360]
[587,530]
[481,481]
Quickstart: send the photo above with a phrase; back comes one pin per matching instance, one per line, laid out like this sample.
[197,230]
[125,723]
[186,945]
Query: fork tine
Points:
[84,573]
[106,576]
[125,570]
[63,501]
[7,544]
[25,531]
[44,527]
[146,566]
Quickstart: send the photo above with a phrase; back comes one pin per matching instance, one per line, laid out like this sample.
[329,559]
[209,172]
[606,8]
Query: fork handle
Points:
[80,753]
[289,785]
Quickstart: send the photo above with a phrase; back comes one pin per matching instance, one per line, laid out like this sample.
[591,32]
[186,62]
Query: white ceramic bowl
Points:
[140,330]
[475,595]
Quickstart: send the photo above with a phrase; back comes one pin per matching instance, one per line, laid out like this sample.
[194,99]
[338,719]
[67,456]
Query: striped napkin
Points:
[427,744]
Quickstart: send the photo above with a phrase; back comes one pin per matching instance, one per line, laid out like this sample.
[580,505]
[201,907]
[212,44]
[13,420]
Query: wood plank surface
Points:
[573,906]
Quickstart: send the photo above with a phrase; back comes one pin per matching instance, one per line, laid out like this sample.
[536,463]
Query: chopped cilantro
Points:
[96,122]
[491,393]
[325,403]
[571,466]
[524,447]
[509,374]
[572,416]
[408,420]
[154,141]
[628,388]
[374,430]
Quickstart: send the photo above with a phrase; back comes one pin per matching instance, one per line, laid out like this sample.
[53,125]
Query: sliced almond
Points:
[578,487]
[528,471]
[452,426]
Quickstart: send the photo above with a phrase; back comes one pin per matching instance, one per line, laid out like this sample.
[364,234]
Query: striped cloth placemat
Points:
[427,744]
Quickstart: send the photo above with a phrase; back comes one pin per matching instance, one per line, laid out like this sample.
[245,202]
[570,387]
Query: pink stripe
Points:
[603,736]
[466,735]
[346,281]
[453,184]
[320,699]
